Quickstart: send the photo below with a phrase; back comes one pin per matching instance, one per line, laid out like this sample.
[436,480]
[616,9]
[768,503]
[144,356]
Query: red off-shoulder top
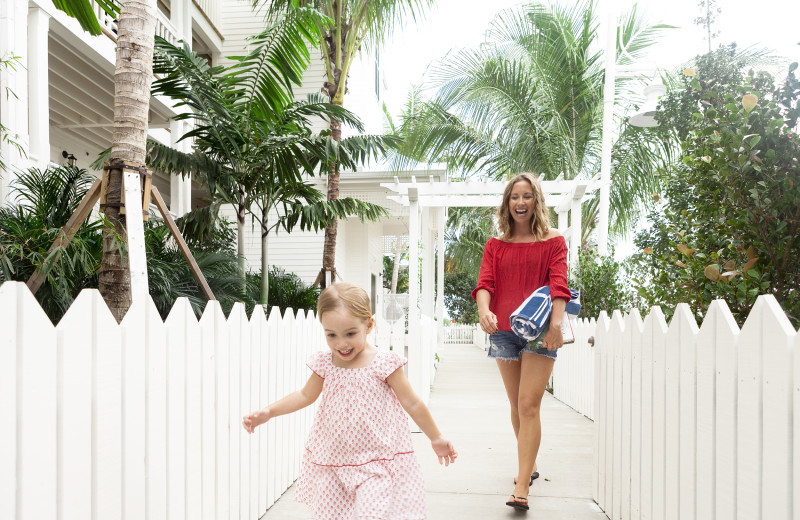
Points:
[512,271]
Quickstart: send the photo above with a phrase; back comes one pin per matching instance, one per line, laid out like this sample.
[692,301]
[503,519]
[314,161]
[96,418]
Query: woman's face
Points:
[521,203]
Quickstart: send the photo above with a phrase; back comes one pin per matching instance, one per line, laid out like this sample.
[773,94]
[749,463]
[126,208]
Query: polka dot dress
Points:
[359,461]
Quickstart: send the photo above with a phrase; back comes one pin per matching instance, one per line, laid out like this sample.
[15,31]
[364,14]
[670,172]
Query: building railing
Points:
[211,8]
[459,334]
[108,24]
[692,423]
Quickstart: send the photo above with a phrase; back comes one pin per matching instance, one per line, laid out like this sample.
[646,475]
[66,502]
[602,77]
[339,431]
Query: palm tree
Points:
[531,99]
[252,142]
[133,74]
[354,23]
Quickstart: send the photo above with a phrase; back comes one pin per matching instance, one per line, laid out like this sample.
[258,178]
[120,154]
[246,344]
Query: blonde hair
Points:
[540,220]
[347,296]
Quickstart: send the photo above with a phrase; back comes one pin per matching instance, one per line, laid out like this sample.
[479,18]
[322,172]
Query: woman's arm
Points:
[291,403]
[559,292]
[487,319]
[554,339]
[422,416]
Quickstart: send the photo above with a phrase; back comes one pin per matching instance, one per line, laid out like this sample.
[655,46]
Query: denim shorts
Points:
[505,344]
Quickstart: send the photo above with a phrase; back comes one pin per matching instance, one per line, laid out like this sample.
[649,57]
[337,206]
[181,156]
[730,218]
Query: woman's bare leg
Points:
[535,371]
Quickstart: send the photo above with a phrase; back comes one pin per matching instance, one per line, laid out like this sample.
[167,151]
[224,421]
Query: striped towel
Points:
[532,316]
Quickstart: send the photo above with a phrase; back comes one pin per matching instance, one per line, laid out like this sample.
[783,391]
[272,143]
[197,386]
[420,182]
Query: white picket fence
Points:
[573,373]
[692,423]
[143,419]
[459,334]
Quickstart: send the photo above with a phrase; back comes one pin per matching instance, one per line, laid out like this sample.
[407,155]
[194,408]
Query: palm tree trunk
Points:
[133,75]
[240,217]
[398,251]
[264,258]
[329,249]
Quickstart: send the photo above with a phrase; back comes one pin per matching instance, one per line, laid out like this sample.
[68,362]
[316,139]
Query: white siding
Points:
[239,22]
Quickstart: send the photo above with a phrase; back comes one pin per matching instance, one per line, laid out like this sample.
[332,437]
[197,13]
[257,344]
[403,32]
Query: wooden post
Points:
[173,228]
[68,232]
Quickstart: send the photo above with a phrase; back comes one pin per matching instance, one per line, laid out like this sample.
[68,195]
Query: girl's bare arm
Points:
[291,403]
[422,416]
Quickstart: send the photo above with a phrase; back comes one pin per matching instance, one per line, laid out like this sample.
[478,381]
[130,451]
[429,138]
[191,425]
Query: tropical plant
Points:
[170,276]
[458,300]
[289,292]
[602,283]
[9,62]
[729,227]
[253,145]
[531,99]
[353,24]
[45,200]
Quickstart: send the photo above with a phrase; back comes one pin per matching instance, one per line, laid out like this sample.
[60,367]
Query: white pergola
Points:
[428,202]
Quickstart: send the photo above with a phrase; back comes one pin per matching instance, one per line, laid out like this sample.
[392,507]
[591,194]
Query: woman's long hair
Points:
[540,218]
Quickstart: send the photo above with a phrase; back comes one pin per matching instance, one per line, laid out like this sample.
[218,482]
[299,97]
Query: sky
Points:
[454,24]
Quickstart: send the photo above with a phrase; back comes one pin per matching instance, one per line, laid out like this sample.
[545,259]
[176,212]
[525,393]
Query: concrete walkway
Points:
[470,407]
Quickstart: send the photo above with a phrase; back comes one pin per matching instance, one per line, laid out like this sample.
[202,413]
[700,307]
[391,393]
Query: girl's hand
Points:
[444,450]
[255,419]
[488,322]
[553,339]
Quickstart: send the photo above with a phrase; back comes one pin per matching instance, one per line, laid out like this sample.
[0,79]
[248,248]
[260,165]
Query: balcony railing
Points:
[109,25]
[210,8]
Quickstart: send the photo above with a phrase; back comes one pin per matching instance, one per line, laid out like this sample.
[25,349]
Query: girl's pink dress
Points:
[359,461]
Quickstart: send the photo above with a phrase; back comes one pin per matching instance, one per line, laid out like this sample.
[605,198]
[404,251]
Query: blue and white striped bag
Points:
[533,315]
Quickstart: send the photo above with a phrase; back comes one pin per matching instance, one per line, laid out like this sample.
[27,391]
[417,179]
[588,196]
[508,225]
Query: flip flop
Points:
[518,503]
[534,476]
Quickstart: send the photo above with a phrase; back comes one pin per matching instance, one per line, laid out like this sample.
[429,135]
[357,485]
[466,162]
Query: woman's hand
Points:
[444,450]
[488,322]
[255,419]
[553,339]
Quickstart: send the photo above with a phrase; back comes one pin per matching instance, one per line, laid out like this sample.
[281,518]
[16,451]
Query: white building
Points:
[64,107]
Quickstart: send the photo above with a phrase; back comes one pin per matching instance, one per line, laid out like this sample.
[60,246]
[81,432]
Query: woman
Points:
[528,255]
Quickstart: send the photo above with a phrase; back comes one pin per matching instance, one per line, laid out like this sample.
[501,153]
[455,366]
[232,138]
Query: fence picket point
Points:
[633,333]
[777,338]
[654,339]
[155,385]
[687,408]
[86,323]
[616,336]
[181,329]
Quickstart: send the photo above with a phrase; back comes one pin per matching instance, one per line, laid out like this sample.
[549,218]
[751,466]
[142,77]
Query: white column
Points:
[562,221]
[13,108]
[180,16]
[441,220]
[576,216]
[608,121]
[415,360]
[177,184]
[427,263]
[38,87]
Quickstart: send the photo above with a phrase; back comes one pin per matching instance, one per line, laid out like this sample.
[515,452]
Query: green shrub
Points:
[600,279]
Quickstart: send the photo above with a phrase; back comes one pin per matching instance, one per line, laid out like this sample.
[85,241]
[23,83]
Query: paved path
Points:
[471,408]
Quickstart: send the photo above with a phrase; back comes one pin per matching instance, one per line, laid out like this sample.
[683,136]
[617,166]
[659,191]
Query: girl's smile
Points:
[347,338]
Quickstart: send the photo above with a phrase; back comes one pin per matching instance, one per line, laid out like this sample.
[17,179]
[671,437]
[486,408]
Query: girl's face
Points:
[346,335]
[521,203]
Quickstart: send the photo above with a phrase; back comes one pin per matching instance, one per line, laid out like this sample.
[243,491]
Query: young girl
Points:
[359,461]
